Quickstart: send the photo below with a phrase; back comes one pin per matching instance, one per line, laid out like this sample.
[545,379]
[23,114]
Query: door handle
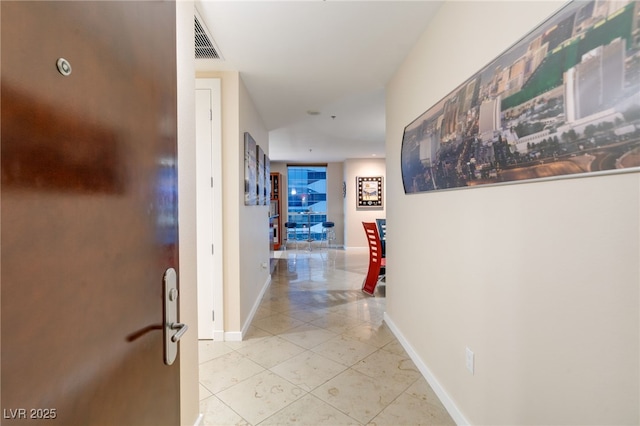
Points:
[172,330]
[182,328]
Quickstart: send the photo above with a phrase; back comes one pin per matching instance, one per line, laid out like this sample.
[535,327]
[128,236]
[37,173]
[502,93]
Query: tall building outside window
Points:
[307,199]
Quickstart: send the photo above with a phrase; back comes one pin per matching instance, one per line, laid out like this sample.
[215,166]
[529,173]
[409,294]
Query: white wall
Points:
[335,200]
[254,220]
[541,280]
[354,216]
[246,228]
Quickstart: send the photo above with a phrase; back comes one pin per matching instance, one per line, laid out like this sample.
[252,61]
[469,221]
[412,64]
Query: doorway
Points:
[209,209]
[89,212]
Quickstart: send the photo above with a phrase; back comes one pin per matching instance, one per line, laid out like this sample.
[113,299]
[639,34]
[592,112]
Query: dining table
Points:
[309,213]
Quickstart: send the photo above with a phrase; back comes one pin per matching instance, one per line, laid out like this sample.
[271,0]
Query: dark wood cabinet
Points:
[274,211]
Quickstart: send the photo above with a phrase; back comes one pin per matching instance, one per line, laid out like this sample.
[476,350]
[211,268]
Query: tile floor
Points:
[317,353]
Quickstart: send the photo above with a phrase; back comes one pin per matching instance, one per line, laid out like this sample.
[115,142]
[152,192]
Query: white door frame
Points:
[209,210]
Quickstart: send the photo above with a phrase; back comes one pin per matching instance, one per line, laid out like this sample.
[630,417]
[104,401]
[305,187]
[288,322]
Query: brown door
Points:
[88,211]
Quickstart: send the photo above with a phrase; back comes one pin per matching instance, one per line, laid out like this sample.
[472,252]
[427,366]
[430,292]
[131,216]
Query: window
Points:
[307,199]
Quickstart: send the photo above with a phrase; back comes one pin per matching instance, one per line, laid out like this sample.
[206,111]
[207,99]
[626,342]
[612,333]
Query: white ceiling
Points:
[332,57]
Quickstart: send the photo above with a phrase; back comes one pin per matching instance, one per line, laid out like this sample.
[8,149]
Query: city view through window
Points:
[307,200]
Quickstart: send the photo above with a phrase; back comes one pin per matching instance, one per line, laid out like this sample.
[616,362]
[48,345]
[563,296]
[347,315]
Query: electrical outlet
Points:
[469,359]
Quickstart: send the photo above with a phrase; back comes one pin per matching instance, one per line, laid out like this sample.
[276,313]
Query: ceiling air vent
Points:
[205,49]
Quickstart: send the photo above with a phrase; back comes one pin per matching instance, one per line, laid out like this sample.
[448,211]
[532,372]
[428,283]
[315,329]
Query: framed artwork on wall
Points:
[267,180]
[369,191]
[250,171]
[561,102]
[261,186]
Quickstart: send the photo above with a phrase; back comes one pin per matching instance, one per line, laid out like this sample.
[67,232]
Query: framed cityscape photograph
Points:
[250,171]
[564,101]
[369,190]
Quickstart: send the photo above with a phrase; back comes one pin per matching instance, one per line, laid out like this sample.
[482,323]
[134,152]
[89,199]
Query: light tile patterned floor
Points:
[317,353]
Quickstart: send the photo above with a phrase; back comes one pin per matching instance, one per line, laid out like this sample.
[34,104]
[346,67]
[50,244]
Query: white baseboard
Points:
[256,305]
[238,336]
[446,400]
[233,336]
[218,335]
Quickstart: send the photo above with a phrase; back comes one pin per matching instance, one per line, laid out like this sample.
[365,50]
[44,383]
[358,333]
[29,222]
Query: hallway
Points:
[317,353]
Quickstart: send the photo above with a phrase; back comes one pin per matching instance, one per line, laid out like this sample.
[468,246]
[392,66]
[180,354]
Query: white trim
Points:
[446,400]
[203,186]
[233,336]
[256,305]
[238,336]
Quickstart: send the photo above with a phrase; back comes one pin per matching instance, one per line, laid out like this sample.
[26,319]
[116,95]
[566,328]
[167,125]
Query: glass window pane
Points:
[307,196]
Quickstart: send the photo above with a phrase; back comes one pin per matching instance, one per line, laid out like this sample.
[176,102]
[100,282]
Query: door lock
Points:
[172,330]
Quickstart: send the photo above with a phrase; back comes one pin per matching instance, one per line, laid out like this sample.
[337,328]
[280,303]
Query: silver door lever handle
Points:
[173,330]
[182,328]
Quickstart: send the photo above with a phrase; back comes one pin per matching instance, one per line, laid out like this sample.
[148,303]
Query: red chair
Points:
[376,261]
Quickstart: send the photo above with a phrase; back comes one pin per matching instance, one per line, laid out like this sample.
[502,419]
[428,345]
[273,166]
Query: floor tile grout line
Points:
[310,392]
[231,408]
[346,306]
[386,405]
[234,384]
[319,399]
[333,377]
